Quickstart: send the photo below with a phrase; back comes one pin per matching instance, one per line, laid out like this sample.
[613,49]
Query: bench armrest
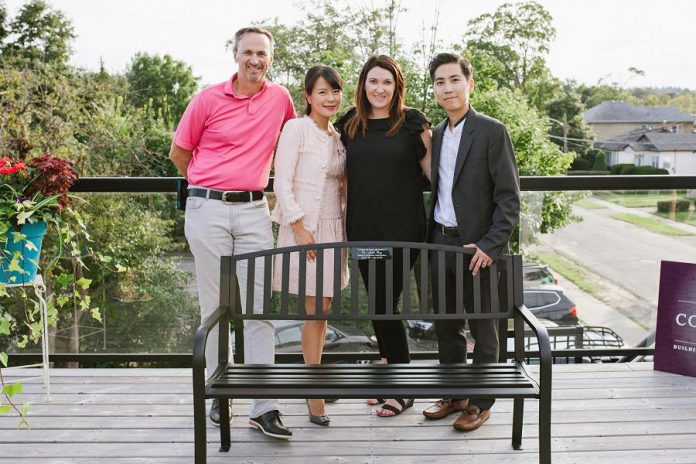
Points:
[201,338]
[545,358]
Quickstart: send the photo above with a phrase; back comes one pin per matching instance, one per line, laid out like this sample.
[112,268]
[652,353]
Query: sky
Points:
[596,39]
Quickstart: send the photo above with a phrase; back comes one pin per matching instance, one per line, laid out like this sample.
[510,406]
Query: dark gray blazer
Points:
[486,188]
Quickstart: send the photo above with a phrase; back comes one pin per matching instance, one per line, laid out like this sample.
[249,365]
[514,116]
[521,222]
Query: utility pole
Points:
[565,132]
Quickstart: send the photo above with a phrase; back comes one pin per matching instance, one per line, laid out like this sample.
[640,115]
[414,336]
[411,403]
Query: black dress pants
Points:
[450,333]
[391,335]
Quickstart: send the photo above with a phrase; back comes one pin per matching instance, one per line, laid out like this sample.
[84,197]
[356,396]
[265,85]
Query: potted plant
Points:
[32,196]
[33,200]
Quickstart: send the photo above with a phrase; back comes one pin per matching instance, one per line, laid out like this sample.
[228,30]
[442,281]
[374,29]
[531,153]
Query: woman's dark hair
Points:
[397,108]
[329,74]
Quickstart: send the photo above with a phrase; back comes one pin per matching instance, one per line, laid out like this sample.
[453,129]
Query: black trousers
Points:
[391,335]
[450,333]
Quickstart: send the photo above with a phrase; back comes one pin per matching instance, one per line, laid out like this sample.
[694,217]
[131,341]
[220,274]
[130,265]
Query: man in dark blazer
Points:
[476,204]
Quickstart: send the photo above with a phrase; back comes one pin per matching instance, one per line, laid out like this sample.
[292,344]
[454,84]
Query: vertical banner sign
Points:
[675,340]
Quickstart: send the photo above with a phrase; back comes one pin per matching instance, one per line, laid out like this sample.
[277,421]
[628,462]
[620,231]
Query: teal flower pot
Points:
[28,254]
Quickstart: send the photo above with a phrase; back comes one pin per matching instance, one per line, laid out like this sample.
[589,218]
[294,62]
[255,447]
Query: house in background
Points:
[659,148]
[610,119]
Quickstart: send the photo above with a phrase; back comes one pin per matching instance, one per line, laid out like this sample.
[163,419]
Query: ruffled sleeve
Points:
[414,125]
[341,123]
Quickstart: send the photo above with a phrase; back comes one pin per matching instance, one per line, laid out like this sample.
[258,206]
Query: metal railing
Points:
[527,183]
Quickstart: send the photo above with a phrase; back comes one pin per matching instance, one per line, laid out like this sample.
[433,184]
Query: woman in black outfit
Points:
[387,152]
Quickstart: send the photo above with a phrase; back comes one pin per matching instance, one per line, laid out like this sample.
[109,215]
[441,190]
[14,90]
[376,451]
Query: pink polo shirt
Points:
[232,136]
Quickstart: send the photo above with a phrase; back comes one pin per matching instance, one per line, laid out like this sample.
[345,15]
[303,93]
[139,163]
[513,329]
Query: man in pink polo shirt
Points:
[224,147]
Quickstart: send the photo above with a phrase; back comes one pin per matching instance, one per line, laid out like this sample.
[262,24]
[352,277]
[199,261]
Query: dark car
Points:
[288,339]
[545,302]
[549,302]
[534,274]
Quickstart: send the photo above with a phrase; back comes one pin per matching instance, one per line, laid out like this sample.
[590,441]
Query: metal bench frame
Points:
[284,381]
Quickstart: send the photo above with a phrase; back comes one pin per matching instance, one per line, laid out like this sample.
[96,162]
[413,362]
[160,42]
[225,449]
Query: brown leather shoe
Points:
[471,419]
[444,407]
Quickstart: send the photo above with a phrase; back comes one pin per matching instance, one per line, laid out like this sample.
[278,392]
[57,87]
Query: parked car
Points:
[549,302]
[288,338]
[545,302]
[534,274]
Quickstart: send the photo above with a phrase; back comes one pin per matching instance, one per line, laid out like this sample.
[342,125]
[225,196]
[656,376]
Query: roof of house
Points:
[622,112]
[650,140]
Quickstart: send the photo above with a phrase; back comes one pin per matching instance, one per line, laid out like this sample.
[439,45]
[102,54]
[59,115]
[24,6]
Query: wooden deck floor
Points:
[608,413]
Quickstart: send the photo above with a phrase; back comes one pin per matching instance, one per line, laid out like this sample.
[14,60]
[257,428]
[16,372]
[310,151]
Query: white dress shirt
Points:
[444,209]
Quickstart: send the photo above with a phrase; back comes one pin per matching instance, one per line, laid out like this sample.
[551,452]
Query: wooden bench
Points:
[284,381]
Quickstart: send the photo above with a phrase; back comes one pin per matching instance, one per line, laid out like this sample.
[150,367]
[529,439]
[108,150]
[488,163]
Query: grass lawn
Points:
[649,224]
[575,272]
[685,217]
[589,204]
[637,200]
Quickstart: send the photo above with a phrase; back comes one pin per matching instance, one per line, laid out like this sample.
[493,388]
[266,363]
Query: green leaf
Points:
[23,342]
[96,314]
[61,300]
[11,389]
[30,246]
[120,268]
[18,237]
[5,325]
[84,283]
[5,409]
[64,279]
[14,266]
[3,359]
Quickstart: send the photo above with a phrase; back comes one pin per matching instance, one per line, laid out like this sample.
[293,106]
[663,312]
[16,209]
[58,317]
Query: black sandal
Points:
[405,404]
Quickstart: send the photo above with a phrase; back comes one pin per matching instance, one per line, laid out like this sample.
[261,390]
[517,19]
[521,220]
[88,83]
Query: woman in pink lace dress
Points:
[309,174]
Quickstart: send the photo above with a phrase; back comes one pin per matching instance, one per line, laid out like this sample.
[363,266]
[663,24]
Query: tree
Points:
[509,46]
[161,83]
[38,34]
[569,129]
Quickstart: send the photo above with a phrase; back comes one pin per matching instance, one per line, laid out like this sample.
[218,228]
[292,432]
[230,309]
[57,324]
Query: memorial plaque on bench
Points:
[377,254]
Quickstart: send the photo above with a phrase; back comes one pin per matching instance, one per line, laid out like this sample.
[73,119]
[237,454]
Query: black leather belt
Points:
[447,231]
[226,196]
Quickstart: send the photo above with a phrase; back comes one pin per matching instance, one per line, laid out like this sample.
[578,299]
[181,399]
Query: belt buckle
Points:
[224,196]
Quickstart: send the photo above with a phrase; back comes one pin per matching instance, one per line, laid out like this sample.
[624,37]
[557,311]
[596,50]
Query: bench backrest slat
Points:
[360,300]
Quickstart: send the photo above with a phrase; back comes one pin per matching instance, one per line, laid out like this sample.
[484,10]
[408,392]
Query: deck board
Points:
[602,413]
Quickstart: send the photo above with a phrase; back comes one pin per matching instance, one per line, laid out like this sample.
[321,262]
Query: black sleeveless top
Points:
[385,187]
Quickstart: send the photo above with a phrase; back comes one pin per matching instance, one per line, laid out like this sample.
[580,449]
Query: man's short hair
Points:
[446,58]
[251,30]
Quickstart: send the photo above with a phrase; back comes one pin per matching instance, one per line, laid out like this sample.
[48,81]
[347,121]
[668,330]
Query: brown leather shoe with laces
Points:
[471,419]
[444,407]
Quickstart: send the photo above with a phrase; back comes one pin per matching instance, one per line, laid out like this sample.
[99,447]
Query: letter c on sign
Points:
[683,317]
[682,320]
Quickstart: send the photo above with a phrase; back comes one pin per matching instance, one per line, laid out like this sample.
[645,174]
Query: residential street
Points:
[626,258]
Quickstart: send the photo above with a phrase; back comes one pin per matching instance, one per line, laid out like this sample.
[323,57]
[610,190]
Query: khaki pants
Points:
[214,229]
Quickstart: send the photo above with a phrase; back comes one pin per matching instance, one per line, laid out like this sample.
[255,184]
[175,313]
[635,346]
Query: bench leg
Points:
[545,427]
[224,425]
[199,425]
[517,415]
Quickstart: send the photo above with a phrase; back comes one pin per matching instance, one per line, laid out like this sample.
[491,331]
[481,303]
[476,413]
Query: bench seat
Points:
[372,380]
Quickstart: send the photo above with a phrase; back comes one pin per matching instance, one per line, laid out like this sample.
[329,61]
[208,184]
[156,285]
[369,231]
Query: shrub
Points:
[615,170]
[673,206]
[587,173]
[600,162]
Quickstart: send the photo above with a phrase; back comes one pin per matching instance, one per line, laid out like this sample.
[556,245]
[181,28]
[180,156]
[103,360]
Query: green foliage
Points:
[673,206]
[39,35]
[161,84]
[509,46]
[600,162]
